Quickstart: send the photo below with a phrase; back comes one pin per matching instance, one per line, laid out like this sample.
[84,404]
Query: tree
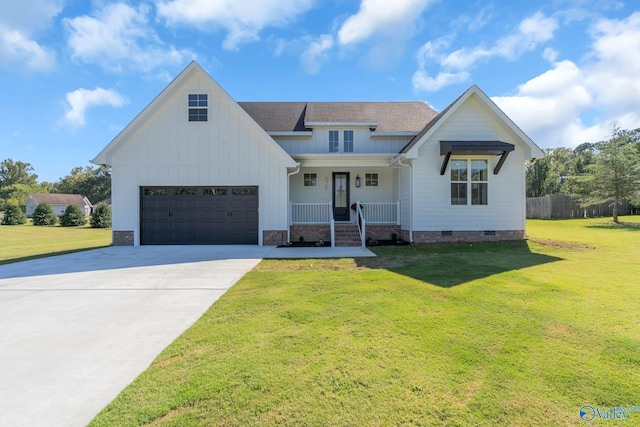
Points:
[16,173]
[44,215]
[13,215]
[93,183]
[613,176]
[17,193]
[72,217]
[548,175]
[101,217]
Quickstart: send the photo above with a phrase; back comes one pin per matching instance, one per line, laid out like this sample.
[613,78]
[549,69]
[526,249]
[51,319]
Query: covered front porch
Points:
[344,205]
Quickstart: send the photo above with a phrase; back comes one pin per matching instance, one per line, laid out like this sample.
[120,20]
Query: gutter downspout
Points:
[399,162]
[289,200]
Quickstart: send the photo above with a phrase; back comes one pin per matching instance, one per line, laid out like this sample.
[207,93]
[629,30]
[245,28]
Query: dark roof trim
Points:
[498,148]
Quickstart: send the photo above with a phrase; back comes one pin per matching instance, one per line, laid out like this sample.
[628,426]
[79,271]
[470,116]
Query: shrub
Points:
[44,215]
[13,215]
[101,217]
[72,217]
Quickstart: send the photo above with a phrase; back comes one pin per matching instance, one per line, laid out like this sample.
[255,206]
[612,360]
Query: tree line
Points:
[593,173]
[18,179]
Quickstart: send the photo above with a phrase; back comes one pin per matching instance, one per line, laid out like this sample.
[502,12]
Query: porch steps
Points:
[347,235]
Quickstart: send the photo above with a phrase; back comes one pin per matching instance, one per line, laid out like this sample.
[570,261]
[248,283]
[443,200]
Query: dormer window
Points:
[334,141]
[348,141]
[344,146]
[198,104]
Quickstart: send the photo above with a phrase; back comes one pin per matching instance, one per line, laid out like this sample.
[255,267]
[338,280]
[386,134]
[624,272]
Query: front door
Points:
[341,196]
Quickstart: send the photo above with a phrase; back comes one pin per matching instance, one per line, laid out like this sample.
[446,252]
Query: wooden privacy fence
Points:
[558,206]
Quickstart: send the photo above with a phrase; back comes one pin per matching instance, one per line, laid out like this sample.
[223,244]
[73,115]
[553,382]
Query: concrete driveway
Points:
[76,329]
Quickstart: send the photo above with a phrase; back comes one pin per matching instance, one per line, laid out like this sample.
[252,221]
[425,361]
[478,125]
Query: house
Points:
[197,167]
[58,202]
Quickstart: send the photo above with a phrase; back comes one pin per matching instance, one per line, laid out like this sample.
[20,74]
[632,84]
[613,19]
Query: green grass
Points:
[519,333]
[23,242]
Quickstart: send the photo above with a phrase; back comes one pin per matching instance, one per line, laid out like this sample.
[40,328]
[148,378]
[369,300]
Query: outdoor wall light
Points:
[357,180]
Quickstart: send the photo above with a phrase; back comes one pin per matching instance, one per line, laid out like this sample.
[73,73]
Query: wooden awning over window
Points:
[498,148]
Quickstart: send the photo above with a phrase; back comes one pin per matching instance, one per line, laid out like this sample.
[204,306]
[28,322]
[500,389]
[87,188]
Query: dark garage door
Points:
[199,215]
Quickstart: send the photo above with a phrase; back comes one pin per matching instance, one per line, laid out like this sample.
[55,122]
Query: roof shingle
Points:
[58,199]
[291,116]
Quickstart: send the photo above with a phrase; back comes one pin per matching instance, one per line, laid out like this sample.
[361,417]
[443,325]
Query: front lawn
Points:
[485,334]
[23,242]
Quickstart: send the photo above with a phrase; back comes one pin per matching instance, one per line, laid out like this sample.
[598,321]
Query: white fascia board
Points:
[388,134]
[342,124]
[306,134]
[344,160]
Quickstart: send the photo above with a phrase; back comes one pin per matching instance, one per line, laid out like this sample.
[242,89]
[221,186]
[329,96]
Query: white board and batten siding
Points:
[385,192]
[506,191]
[227,150]
[363,143]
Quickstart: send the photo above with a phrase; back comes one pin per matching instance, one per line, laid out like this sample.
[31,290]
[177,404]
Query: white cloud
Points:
[380,16]
[242,19]
[549,107]
[16,48]
[532,32]
[19,24]
[316,53]
[81,99]
[119,36]
[423,82]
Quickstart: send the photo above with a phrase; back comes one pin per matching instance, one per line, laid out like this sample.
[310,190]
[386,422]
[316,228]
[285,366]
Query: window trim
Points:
[310,179]
[344,141]
[198,107]
[469,182]
[370,180]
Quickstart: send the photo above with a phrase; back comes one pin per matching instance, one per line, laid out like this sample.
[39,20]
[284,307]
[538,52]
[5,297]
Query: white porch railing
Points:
[321,213]
[311,213]
[381,213]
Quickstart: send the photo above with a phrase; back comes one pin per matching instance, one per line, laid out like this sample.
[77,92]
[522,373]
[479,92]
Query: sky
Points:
[74,73]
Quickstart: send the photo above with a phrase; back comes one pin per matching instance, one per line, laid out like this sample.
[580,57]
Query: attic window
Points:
[198,104]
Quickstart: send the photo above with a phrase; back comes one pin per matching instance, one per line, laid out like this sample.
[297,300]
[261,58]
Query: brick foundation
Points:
[122,238]
[383,231]
[274,237]
[311,232]
[464,236]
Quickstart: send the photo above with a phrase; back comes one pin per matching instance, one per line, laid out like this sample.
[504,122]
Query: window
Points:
[185,191]
[348,141]
[333,141]
[155,192]
[469,178]
[214,192]
[198,104]
[244,191]
[310,180]
[479,177]
[371,179]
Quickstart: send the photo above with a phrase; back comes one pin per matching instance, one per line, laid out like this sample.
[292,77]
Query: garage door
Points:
[199,215]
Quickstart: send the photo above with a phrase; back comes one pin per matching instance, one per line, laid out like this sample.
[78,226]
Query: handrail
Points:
[361,224]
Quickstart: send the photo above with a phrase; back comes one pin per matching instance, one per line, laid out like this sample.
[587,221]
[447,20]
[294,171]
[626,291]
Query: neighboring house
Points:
[58,202]
[196,167]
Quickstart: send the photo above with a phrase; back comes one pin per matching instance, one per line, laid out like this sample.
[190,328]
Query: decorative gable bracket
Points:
[498,148]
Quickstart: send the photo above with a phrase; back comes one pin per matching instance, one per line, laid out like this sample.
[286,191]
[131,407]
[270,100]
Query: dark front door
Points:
[341,196]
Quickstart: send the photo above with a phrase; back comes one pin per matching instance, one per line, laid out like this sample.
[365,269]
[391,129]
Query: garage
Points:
[199,215]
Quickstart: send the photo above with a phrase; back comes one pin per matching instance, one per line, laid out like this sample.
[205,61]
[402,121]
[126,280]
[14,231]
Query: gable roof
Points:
[298,116]
[104,156]
[411,148]
[59,199]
